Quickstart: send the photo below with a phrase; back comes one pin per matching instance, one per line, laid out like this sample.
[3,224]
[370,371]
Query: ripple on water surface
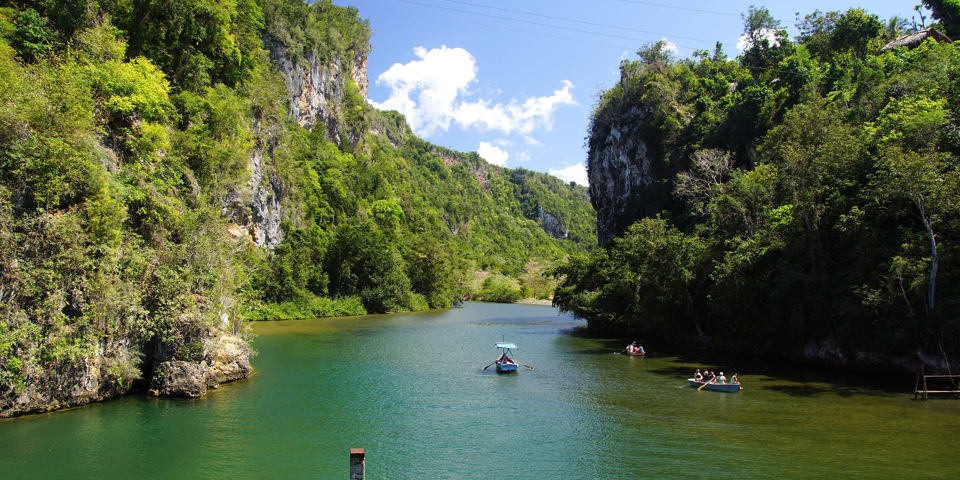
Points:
[410,389]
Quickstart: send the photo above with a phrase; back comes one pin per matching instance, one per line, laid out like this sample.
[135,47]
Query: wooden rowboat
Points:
[506,363]
[716,387]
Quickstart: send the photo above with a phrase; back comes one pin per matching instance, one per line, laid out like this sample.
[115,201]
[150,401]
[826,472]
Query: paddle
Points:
[488,366]
[528,366]
[704,385]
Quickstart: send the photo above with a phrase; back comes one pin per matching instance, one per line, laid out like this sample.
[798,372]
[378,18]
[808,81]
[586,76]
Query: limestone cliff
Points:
[625,172]
[315,92]
[119,315]
[316,88]
[551,224]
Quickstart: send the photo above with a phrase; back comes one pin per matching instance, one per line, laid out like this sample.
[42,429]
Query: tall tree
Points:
[948,12]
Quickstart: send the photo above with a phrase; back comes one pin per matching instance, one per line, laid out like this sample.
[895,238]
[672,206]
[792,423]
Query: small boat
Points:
[505,362]
[716,387]
[634,350]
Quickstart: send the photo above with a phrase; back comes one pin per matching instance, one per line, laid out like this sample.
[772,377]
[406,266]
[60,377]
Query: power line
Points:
[558,27]
[711,12]
[564,19]
[502,27]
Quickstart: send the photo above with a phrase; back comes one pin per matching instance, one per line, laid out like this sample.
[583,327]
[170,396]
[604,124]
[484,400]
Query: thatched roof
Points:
[912,40]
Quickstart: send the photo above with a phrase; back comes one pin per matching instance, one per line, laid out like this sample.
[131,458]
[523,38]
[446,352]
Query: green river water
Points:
[410,389]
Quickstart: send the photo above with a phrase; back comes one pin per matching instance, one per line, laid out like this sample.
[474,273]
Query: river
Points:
[411,390]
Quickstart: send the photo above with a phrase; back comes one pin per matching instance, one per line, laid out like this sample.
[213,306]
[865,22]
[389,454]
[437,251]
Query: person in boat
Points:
[697,376]
[639,349]
[504,358]
[721,378]
[734,379]
[632,348]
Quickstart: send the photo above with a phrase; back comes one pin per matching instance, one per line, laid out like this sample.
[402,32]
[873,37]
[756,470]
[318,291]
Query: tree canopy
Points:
[129,131]
[814,189]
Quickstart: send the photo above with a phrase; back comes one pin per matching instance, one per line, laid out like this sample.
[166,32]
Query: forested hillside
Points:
[171,169]
[800,200]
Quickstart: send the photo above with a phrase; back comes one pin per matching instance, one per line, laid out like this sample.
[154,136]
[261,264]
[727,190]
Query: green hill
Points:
[799,200]
[169,170]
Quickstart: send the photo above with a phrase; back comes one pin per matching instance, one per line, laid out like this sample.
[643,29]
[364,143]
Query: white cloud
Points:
[430,93]
[746,43]
[669,46]
[425,90]
[492,153]
[574,173]
[532,141]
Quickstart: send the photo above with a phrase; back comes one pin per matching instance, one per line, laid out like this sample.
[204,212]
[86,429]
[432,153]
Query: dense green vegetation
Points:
[127,128]
[809,193]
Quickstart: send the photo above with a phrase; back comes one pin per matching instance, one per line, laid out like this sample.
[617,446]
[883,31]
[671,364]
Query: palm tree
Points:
[897,26]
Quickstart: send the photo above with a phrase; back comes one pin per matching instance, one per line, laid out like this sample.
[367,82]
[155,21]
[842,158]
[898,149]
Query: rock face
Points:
[227,359]
[621,171]
[265,204]
[258,217]
[71,384]
[552,224]
[315,91]
[113,370]
[315,88]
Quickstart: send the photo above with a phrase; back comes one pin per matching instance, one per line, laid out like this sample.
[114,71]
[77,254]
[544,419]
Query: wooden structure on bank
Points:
[358,464]
[942,385]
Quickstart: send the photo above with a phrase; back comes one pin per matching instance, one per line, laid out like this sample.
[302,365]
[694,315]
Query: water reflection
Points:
[410,390]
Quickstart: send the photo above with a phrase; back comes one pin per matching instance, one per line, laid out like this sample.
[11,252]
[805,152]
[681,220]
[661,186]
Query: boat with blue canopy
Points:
[505,362]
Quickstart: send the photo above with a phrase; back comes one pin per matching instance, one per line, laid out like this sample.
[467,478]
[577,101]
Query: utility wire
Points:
[458,19]
[661,5]
[499,17]
[502,27]
[584,22]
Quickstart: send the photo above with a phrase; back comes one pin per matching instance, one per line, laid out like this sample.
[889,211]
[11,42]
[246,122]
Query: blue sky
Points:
[516,80]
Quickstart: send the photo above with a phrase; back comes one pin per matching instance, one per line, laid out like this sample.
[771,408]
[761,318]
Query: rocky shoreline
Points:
[107,375]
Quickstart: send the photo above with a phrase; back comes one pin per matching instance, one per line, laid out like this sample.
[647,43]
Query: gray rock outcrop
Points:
[552,225]
[621,170]
[109,373]
[227,359]
[316,87]
[315,92]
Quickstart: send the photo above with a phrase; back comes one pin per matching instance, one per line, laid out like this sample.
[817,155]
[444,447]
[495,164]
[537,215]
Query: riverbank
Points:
[120,369]
[531,301]
[327,385]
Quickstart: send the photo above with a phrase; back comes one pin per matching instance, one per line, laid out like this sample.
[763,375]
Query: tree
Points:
[854,30]
[763,43]
[948,12]
[817,154]
[816,31]
[198,43]
[932,188]
[704,180]
[33,38]
[658,53]
[758,26]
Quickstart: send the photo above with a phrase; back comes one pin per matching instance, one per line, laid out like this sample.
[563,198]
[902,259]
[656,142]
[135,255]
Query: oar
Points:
[488,366]
[528,366]
[704,385]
